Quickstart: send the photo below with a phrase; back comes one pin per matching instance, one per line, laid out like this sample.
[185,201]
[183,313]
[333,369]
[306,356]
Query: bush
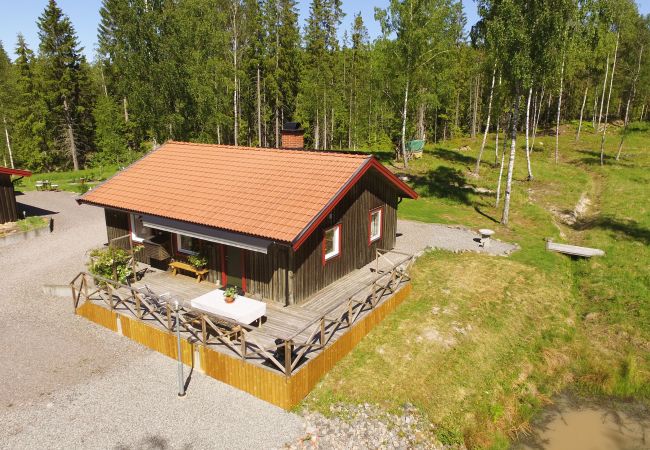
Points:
[110,262]
[197,261]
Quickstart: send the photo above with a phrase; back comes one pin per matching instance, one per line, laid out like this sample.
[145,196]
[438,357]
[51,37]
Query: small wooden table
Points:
[178,265]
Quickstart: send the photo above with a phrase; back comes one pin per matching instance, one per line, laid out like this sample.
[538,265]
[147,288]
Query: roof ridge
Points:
[335,153]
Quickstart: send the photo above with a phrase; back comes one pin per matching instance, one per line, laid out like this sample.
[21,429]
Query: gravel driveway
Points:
[415,237]
[68,383]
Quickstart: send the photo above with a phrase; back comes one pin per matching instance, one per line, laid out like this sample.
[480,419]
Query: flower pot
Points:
[229,299]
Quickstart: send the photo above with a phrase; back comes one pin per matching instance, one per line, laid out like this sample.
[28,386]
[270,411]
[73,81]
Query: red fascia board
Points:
[372,162]
[22,173]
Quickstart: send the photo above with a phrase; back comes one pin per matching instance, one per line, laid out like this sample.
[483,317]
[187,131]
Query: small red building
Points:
[8,211]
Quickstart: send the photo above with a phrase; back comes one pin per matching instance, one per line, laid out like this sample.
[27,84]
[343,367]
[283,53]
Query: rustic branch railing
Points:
[285,355]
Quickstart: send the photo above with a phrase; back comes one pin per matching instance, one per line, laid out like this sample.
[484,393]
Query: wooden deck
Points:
[281,360]
[287,338]
[293,322]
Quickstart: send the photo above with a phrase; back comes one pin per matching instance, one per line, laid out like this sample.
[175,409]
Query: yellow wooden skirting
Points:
[156,339]
[269,386]
[99,315]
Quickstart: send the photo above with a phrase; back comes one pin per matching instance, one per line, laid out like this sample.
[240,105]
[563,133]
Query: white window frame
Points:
[336,240]
[180,248]
[380,212]
[134,235]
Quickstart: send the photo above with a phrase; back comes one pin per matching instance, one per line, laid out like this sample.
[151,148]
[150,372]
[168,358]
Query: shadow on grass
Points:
[453,156]
[592,158]
[478,210]
[444,182]
[630,229]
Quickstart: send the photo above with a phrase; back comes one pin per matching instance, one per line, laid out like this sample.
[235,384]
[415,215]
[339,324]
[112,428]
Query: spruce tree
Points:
[65,89]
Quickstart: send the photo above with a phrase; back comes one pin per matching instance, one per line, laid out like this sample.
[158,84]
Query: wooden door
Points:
[234,267]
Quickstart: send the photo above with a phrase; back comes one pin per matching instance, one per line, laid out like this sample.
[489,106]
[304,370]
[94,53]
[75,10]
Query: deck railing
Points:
[286,354]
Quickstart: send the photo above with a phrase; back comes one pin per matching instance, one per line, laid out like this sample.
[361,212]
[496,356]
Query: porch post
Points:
[290,275]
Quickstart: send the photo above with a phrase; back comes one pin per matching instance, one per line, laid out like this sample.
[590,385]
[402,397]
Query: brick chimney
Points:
[293,136]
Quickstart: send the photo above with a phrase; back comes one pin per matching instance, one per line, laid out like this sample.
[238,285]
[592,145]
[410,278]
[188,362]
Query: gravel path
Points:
[415,237]
[68,383]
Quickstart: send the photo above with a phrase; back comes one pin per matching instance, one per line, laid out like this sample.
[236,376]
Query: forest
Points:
[233,71]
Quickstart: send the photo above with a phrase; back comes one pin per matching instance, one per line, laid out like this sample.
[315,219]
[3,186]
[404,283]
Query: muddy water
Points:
[573,424]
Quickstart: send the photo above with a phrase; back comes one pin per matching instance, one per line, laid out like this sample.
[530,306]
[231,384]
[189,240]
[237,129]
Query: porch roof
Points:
[271,193]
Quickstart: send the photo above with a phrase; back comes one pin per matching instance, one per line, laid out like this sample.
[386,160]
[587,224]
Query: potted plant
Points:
[197,261]
[229,294]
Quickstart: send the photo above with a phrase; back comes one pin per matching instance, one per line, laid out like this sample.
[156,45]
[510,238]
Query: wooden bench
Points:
[178,265]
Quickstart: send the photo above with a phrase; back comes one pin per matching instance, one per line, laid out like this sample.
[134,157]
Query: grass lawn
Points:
[70,181]
[28,224]
[484,342]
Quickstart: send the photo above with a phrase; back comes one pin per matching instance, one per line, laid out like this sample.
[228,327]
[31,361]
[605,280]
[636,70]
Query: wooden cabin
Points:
[8,211]
[280,224]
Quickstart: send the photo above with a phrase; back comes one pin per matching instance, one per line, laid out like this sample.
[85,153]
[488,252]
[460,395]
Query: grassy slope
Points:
[483,342]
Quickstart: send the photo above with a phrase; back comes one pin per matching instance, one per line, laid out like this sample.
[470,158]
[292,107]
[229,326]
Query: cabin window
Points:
[332,243]
[138,231]
[375,218]
[187,244]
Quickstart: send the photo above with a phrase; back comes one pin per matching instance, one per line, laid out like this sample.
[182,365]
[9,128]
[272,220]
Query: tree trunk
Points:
[593,120]
[219,134]
[317,132]
[126,110]
[559,112]
[235,39]
[496,145]
[582,110]
[259,110]
[404,110]
[421,110]
[487,124]
[530,170]
[602,98]
[536,120]
[474,106]
[511,164]
[11,156]
[609,97]
[627,107]
[503,155]
[70,136]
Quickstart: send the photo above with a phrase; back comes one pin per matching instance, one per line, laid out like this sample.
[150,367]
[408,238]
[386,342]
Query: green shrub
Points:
[110,263]
[197,261]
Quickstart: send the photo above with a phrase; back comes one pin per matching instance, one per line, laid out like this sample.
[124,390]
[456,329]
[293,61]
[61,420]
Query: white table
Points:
[243,309]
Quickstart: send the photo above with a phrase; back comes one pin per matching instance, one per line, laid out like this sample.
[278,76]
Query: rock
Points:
[465,148]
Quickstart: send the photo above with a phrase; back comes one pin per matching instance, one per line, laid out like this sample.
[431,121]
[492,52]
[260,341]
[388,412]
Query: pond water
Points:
[577,424]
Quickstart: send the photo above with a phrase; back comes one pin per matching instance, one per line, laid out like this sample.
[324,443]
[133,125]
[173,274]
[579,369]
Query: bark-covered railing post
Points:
[288,351]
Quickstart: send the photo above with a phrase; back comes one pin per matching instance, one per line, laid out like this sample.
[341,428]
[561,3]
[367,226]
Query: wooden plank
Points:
[584,252]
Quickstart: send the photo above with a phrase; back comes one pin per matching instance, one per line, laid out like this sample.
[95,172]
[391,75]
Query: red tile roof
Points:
[272,193]
[8,171]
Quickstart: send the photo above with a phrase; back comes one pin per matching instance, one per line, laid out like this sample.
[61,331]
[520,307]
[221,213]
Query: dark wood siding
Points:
[372,191]
[117,225]
[266,275]
[8,211]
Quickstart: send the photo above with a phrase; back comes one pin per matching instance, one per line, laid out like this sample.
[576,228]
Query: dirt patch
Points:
[578,424]
[578,213]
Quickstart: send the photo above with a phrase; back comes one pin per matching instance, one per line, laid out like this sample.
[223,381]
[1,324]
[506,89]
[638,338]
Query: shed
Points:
[8,211]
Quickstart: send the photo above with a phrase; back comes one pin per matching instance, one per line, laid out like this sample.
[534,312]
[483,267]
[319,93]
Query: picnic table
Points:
[243,309]
[46,185]
[178,265]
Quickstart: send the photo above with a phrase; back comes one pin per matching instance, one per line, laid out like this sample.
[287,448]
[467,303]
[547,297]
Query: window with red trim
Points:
[375,224]
[332,242]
